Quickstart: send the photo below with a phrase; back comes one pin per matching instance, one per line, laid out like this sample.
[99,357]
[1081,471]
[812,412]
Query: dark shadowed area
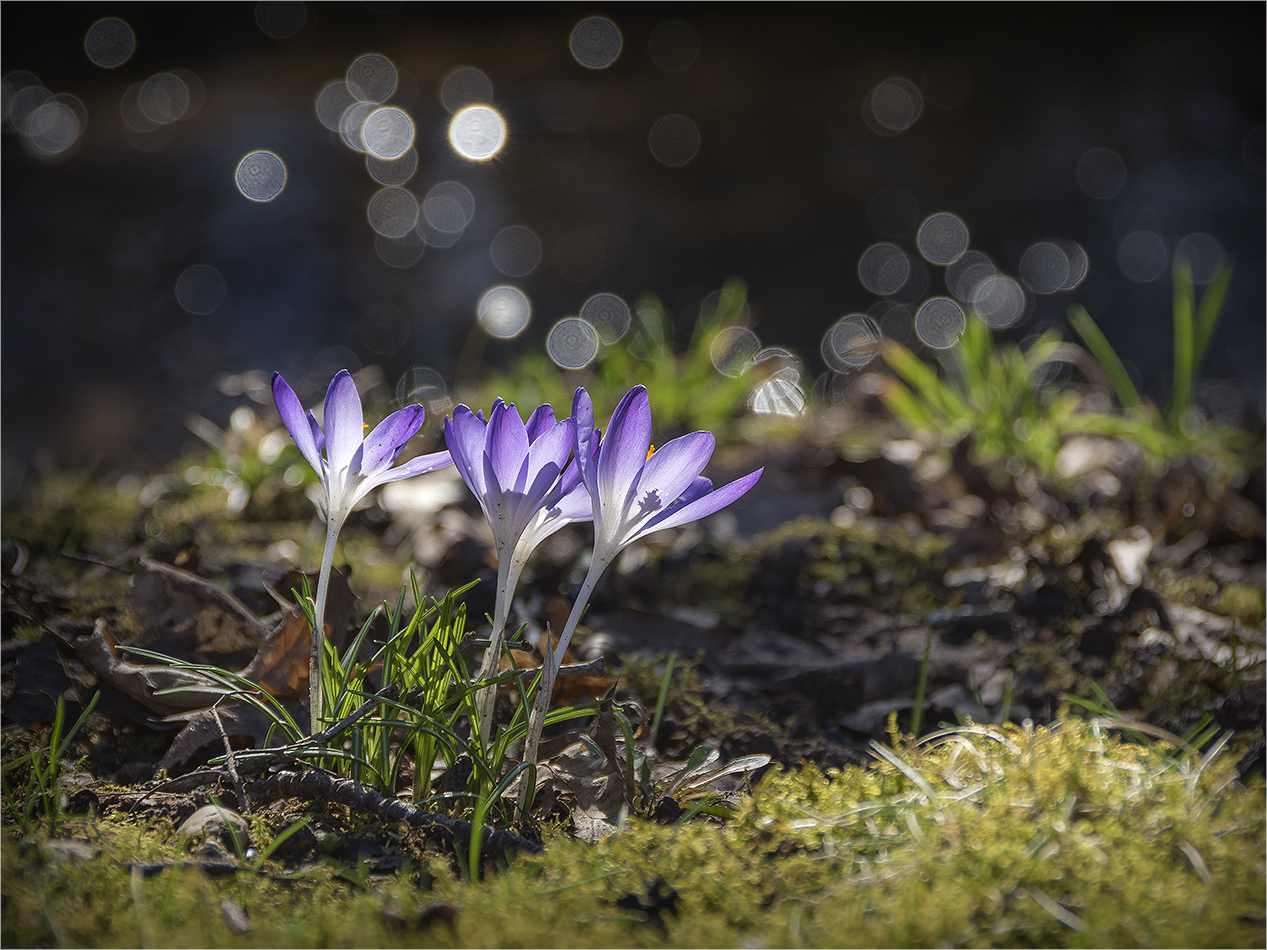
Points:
[836,158]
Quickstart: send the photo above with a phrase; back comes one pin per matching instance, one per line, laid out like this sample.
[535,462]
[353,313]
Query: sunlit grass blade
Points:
[1208,313]
[1099,346]
[1181,382]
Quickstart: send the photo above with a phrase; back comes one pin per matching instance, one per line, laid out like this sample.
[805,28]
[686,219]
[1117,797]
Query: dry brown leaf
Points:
[281,665]
[188,617]
[97,651]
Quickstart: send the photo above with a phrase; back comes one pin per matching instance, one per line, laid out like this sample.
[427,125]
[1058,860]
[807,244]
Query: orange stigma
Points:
[651,451]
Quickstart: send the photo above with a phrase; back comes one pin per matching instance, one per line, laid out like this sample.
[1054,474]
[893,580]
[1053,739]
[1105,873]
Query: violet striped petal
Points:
[505,445]
[585,438]
[415,466]
[344,423]
[464,438]
[296,422]
[624,451]
[549,453]
[701,507]
[675,465]
[389,437]
[541,420]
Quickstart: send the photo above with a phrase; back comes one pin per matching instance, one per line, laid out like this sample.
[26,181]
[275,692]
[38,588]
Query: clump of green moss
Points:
[982,835]
[880,563]
[1245,603]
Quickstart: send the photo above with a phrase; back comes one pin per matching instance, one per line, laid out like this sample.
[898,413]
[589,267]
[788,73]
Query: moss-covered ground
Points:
[984,836]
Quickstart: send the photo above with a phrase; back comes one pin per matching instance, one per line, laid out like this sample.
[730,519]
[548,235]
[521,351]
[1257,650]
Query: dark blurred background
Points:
[1119,133]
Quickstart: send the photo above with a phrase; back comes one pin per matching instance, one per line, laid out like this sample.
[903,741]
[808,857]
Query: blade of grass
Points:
[1085,327]
[1181,387]
[1208,313]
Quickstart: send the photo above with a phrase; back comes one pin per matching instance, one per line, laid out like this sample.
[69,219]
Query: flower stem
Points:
[319,626]
[487,697]
[550,670]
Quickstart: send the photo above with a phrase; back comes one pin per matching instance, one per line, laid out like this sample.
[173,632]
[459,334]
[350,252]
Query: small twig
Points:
[448,833]
[484,642]
[243,804]
[594,667]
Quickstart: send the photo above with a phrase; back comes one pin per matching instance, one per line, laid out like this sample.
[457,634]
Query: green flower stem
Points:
[550,671]
[487,697]
[333,526]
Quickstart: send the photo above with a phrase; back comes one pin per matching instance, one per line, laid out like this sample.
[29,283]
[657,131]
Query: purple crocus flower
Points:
[635,490]
[353,465]
[519,474]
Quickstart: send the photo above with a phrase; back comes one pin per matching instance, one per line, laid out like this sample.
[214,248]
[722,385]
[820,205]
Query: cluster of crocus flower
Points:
[530,478]
[353,465]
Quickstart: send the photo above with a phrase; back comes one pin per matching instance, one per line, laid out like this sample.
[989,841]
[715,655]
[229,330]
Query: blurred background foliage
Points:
[851,173]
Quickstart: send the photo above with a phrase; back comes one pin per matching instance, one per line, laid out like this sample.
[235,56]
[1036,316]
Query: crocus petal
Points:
[296,421]
[673,467]
[505,444]
[318,437]
[541,420]
[701,507]
[464,437]
[624,451]
[344,424]
[389,437]
[548,454]
[584,437]
[415,466]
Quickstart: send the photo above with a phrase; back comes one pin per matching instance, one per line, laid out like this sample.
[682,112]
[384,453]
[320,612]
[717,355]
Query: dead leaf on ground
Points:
[98,653]
[568,690]
[187,617]
[281,665]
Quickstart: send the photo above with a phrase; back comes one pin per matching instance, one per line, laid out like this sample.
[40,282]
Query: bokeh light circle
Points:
[465,86]
[893,106]
[1202,251]
[516,251]
[372,78]
[163,98]
[1142,256]
[423,385]
[595,42]
[477,133]
[281,19]
[504,312]
[393,212]
[109,42]
[999,301]
[942,238]
[572,343]
[334,99]
[448,207]
[608,314]
[1100,173]
[388,133]
[963,276]
[673,46]
[734,350]
[394,172]
[883,269]
[55,126]
[674,140]
[1078,262]
[261,176]
[1044,267]
[851,342]
[352,122]
[404,251]
[939,322]
[200,289]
